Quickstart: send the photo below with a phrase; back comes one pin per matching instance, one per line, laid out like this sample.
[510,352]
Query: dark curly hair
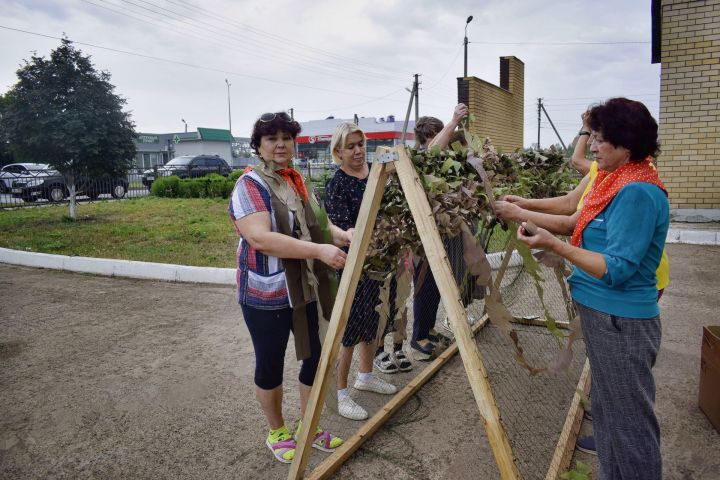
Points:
[277,122]
[626,123]
[426,128]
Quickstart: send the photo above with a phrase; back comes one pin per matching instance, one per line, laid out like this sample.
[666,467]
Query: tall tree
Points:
[6,156]
[65,113]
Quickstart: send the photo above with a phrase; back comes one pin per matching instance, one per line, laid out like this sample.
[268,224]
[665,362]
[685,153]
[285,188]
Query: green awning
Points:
[215,135]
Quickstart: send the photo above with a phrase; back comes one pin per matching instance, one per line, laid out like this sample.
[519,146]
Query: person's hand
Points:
[342,238]
[509,211]
[542,240]
[513,199]
[461,111]
[331,255]
[584,118]
[348,236]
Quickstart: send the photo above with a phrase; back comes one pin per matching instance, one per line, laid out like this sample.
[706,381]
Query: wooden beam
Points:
[437,258]
[566,444]
[340,456]
[341,310]
[539,322]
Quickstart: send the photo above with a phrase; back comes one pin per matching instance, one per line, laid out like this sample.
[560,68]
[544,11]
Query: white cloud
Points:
[337,58]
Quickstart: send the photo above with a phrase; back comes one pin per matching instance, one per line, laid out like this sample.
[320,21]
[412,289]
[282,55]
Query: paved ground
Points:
[117,378]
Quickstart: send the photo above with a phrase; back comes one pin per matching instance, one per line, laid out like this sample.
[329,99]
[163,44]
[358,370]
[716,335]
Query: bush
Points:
[166,187]
[211,186]
[234,175]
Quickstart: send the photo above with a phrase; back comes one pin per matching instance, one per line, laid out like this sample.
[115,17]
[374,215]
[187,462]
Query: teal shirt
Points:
[630,233]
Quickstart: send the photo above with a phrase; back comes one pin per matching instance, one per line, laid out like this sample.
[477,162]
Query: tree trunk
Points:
[70,181]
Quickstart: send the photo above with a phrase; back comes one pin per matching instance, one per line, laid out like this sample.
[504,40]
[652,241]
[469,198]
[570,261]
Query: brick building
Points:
[499,110]
[686,42]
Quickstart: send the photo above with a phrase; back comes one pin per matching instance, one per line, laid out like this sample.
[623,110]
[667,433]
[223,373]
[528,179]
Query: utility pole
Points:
[229,116]
[539,111]
[553,126]
[409,109]
[292,113]
[417,97]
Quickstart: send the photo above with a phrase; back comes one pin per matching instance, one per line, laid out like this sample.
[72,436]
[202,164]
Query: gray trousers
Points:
[622,352]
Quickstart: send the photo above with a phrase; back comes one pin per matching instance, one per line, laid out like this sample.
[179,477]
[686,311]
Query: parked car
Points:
[14,171]
[51,185]
[187,166]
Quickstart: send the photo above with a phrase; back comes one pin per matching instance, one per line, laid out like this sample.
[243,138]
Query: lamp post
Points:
[183,120]
[469,19]
[229,117]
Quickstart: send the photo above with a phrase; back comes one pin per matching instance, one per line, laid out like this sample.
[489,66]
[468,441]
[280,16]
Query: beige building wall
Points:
[690,102]
[498,111]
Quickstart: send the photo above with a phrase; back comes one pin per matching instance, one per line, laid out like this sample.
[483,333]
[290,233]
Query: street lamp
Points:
[229,117]
[469,19]
[183,120]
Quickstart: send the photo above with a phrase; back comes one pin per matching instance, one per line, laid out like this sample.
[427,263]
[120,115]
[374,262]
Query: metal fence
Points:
[45,186]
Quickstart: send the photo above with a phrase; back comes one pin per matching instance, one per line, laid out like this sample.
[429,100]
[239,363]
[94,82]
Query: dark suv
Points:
[187,166]
[51,185]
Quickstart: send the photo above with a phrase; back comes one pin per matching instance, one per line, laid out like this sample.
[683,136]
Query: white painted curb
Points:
[120,268]
[226,276]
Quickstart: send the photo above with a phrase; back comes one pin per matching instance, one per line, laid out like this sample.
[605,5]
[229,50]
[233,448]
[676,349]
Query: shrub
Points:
[166,187]
[211,186]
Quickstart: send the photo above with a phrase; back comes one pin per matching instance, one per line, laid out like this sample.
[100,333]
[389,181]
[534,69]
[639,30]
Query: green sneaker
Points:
[323,440]
[281,444]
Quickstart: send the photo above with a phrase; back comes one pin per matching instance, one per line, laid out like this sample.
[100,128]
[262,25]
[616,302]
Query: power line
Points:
[198,67]
[278,37]
[277,52]
[560,44]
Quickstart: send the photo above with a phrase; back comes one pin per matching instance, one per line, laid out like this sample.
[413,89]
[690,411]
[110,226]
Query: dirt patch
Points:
[118,378]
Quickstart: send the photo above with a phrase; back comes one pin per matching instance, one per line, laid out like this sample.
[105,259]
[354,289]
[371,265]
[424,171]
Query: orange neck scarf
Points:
[292,177]
[607,185]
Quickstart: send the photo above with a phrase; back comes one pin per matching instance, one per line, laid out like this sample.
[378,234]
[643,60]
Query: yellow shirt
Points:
[663,271]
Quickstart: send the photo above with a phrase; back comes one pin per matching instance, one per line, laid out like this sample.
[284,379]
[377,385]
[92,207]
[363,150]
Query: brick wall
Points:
[690,103]
[498,110]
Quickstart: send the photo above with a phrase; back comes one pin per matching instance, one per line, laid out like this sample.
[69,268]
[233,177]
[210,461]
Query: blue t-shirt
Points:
[630,233]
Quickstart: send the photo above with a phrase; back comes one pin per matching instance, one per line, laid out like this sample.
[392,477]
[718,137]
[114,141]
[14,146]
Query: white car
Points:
[14,171]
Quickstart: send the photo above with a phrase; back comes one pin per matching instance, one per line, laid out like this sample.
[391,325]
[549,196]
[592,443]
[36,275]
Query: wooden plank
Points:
[437,258]
[340,456]
[341,311]
[539,322]
[566,444]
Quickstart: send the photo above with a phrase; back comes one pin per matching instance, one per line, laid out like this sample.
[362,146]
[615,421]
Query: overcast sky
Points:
[170,58]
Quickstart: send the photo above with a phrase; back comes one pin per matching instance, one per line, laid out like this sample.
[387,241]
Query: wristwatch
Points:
[584,132]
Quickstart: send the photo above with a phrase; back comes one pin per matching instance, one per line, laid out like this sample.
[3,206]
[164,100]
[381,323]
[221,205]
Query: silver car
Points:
[14,171]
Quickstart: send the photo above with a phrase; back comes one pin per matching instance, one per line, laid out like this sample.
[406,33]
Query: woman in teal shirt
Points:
[615,249]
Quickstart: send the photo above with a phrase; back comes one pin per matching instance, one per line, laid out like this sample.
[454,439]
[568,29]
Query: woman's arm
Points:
[443,137]
[579,161]
[591,262]
[562,205]
[557,224]
[256,229]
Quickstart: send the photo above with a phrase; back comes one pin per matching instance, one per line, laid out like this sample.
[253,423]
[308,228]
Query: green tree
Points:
[6,156]
[65,113]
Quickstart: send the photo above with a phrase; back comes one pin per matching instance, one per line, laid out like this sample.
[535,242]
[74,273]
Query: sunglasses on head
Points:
[269,117]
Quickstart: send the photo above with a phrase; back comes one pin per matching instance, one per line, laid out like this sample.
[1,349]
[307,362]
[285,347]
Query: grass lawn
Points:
[179,231]
[185,231]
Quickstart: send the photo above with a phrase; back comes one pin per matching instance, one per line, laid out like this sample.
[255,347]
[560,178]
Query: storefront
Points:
[313,143]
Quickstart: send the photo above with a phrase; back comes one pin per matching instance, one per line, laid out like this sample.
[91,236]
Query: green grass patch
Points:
[188,231]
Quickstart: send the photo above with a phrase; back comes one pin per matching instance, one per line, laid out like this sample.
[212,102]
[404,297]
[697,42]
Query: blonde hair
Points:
[339,138]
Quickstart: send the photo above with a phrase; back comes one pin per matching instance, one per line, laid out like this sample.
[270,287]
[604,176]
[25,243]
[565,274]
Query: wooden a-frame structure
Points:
[388,160]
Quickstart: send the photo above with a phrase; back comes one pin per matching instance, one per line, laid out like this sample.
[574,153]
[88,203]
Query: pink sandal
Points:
[284,450]
[323,440]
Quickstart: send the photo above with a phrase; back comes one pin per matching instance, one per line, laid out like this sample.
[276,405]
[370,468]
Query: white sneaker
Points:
[349,409]
[377,385]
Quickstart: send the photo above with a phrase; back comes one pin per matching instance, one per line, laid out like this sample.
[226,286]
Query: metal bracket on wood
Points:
[388,157]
